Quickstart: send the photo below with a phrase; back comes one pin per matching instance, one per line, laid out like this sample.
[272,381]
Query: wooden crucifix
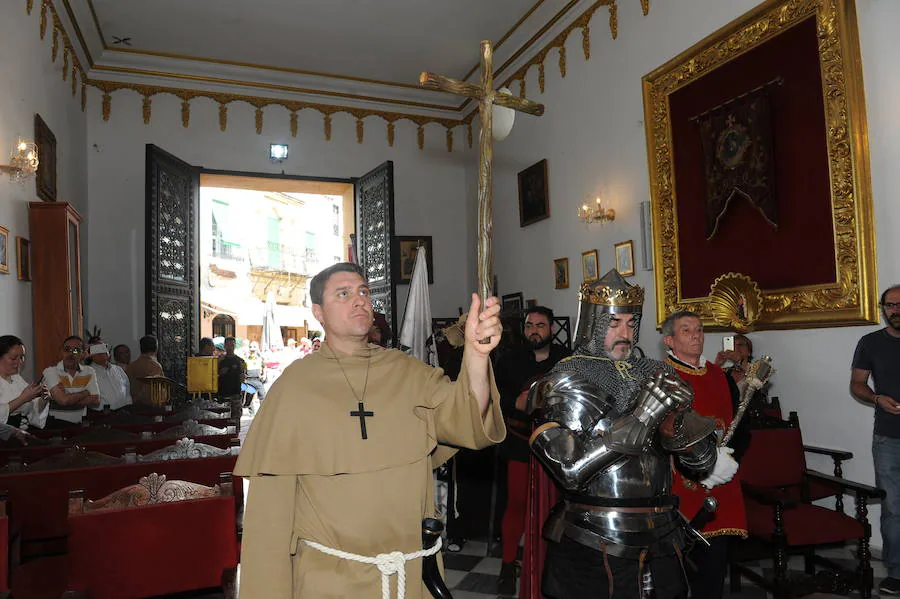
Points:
[487,96]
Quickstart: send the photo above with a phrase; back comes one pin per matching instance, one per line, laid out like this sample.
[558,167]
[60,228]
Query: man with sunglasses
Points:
[73,385]
[878,355]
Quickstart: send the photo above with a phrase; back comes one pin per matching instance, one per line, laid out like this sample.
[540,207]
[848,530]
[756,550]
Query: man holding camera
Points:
[715,396]
[878,355]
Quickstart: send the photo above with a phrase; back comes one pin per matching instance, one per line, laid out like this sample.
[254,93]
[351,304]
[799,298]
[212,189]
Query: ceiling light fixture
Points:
[278,152]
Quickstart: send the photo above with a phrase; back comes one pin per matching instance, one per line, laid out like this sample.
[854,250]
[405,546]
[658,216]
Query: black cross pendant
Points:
[362,413]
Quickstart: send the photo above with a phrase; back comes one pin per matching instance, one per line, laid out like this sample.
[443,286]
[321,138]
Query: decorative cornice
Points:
[71,62]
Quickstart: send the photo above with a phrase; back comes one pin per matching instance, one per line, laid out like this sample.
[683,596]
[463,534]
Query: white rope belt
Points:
[388,564]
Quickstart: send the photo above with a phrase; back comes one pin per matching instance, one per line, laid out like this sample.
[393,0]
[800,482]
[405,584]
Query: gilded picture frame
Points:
[590,266]
[561,273]
[851,299]
[625,258]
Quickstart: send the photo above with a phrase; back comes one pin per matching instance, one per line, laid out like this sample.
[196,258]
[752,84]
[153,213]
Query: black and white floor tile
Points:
[473,574]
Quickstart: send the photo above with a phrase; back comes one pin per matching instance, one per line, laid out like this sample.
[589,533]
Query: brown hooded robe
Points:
[314,477]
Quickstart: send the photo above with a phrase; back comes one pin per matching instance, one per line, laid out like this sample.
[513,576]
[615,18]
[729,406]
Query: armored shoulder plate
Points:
[570,399]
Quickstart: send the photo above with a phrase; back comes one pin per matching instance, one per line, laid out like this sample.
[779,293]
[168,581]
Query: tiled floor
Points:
[472,574]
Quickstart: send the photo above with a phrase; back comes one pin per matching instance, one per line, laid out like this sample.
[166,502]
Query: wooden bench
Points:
[157,537]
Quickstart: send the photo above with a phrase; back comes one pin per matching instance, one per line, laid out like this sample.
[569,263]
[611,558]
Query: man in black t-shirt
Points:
[515,373]
[878,355]
[232,371]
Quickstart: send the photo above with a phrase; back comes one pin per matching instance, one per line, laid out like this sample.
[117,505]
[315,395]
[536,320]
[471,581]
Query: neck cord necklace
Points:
[346,378]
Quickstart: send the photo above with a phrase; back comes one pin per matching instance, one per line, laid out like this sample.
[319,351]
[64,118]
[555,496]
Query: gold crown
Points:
[612,290]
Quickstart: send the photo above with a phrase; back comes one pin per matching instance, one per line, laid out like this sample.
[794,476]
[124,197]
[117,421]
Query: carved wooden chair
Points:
[192,428]
[156,537]
[782,520]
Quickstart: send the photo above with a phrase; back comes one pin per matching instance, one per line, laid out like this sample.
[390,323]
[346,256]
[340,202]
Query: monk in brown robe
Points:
[340,456]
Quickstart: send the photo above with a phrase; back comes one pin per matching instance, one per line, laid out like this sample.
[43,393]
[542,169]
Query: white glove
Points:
[724,470]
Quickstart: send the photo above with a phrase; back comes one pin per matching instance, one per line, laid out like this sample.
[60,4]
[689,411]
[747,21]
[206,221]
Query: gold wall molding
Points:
[852,298]
[60,39]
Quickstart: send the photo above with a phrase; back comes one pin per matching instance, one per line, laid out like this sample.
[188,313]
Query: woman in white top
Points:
[17,396]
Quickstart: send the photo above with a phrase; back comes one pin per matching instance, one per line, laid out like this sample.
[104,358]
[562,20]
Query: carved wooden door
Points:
[374,231]
[172,285]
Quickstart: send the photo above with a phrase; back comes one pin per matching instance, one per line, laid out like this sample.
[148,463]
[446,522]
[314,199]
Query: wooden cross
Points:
[362,413]
[487,96]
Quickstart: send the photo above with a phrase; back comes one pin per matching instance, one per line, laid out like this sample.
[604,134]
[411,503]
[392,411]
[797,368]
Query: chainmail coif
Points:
[619,378]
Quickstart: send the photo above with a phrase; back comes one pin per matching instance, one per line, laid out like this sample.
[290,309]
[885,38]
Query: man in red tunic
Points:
[715,395]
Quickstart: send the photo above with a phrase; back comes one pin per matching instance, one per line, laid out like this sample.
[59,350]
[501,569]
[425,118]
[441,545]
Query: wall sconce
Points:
[23,161]
[596,213]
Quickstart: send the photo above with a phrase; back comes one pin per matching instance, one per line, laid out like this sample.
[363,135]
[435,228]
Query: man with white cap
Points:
[115,390]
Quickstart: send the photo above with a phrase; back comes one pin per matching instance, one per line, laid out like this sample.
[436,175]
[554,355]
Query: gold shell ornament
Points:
[735,301]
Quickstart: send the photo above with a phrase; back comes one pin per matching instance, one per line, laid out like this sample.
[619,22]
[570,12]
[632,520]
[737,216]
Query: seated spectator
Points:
[115,390]
[380,333]
[19,400]
[145,366]
[73,386]
[207,347]
[232,372]
[122,355]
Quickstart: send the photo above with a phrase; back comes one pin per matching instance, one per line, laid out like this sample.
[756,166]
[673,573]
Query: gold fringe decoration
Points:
[107,105]
[541,76]
[469,133]
[293,123]
[54,49]
[586,42]
[327,127]
[29,6]
[420,136]
[359,130]
[44,5]
[65,69]
[562,61]
[645,7]
[223,116]
[185,113]
[449,139]
[614,19]
[390,134]
[74,79]
[147,109]
[521,88]
[259,120]
[83,93]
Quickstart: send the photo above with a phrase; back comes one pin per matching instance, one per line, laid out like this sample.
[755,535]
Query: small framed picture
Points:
[4,250]
[534,196]
[530,303]
[561,273]
[625,258]
[405,250]
[23,258]
[589,266]
[512,303]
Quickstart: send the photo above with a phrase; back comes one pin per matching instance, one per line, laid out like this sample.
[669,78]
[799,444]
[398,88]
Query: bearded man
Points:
[516,371]
[878,356]
[610,423]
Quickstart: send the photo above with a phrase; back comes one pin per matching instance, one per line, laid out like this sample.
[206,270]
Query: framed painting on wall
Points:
[23,259]
[45,180]
[534,197]
[589,266]
[561,273]
[405,250]
[625,258]
[4,250]
[732,122]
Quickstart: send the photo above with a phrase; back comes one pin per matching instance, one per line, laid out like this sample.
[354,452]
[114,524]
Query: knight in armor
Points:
[608,424]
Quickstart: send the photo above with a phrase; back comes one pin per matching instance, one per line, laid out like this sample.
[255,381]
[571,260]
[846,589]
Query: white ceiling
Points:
[336,51]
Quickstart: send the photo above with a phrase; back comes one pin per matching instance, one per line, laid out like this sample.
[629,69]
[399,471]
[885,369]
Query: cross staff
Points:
[487,96]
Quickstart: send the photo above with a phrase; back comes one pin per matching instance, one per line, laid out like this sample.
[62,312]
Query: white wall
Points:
[31,84]
[429,188]
[593,137]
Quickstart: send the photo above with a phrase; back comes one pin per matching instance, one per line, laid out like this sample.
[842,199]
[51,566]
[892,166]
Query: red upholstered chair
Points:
[154,538]
[782,520]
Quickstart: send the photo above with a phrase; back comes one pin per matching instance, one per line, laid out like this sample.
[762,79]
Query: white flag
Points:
[416,337]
